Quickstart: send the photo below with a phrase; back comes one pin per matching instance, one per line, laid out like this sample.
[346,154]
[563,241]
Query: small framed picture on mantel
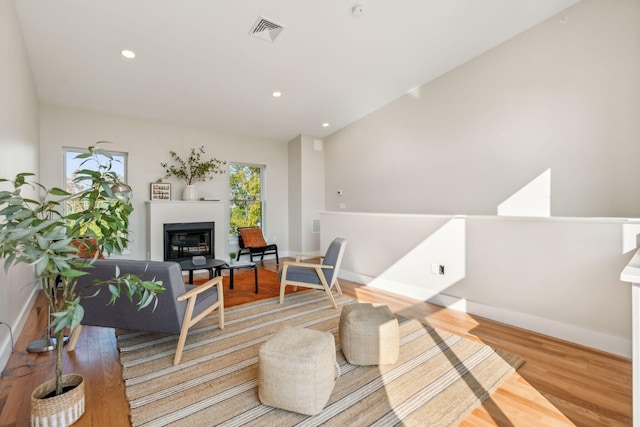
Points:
[160,191]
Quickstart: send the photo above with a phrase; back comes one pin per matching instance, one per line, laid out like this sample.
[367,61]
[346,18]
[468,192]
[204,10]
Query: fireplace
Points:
[185,240]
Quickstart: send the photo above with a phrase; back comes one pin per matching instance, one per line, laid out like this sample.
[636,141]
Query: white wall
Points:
[560,101]
[148,144]
[313,192]
[295,194]
[564,97]
[19,147]
[306,192]
[557,276]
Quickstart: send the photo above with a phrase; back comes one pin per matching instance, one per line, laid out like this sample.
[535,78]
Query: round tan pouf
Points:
[297,370]
[369,334]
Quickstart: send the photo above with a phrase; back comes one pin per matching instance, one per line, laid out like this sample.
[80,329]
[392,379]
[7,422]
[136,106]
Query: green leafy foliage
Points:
[245,196]
[35,231]
[193,169]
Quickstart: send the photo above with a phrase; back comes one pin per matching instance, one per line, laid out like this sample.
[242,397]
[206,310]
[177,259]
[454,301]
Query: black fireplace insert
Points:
[185,240]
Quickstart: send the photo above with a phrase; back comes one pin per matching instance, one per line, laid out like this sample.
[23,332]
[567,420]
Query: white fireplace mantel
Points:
[160,213]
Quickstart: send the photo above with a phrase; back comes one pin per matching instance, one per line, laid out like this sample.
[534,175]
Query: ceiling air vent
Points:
[265,29]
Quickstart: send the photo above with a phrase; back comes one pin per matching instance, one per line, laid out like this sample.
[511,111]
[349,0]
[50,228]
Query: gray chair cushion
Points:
[308,275]
[204,300]
[331,258]
[301,274]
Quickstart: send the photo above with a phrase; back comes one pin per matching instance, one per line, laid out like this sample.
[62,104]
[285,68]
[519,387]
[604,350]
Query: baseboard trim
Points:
[16,329]
[604,342]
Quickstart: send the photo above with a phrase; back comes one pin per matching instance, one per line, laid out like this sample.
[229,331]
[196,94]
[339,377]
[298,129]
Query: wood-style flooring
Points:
[561,384]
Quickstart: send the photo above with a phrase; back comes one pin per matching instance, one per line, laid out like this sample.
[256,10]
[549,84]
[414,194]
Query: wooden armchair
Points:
[252,243]
[179,307]
[317,276]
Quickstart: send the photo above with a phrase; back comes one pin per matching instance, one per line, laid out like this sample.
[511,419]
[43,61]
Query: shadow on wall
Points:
[432,266]
[630,237]
[438,262]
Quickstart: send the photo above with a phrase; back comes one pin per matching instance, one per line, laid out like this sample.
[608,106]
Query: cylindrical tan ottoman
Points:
[369,334]
[297,370]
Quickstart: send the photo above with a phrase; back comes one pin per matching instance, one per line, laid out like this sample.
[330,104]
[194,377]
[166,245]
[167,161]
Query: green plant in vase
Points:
[37,231]
[192,170]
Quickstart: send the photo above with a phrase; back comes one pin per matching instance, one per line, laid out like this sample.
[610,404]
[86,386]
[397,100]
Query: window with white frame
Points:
[72,164]
[246,198]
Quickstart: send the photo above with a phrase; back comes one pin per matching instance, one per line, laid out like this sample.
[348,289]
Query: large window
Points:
[72,165]
[245,196]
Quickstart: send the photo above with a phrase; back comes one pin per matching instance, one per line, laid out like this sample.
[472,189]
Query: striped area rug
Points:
[438,380]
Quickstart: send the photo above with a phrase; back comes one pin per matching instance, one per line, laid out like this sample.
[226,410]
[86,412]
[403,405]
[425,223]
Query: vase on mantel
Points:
[190,193]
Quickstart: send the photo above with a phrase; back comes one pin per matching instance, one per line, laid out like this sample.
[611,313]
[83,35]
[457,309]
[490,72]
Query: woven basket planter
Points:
[58,411]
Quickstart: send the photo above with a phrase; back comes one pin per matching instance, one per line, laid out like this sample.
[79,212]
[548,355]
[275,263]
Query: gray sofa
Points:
[179,307]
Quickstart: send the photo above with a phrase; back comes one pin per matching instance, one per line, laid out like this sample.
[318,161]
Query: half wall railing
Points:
[631,274]
[557,276]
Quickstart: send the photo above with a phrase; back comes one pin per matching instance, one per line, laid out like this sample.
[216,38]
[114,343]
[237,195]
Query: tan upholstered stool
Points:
[297,370]
[369,334]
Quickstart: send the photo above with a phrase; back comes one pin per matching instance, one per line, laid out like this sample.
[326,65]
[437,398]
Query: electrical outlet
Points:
[435,268]
[441,269]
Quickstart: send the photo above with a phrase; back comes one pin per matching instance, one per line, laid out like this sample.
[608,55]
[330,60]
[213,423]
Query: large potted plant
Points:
[39,232]
[192,170]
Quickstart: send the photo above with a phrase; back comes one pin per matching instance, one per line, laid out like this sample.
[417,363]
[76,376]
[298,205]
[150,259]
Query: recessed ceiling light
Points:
[129,54]
[325,125]
[277,94]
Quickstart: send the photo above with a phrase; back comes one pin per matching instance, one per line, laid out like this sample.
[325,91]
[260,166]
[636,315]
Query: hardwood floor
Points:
[561,384]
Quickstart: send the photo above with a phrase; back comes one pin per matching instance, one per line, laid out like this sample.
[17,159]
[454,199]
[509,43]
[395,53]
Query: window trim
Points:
[263,172]
[125,166]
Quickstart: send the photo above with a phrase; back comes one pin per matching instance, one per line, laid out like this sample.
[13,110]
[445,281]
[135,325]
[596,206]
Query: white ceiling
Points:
[197,65]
